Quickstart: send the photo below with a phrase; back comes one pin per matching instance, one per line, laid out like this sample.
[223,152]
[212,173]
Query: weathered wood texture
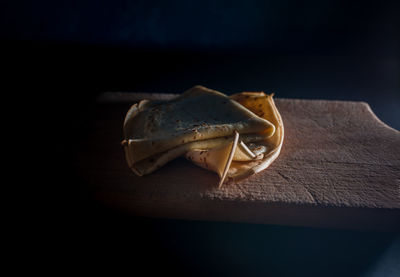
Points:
[339,168]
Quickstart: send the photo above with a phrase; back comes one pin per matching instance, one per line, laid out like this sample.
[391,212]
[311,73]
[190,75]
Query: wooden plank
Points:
[339,168]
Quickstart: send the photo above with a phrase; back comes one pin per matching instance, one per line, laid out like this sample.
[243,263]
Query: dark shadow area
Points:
[73,50]
[73,75]
[115,242]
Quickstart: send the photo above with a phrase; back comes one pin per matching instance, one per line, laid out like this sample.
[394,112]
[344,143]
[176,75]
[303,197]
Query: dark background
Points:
[59,56]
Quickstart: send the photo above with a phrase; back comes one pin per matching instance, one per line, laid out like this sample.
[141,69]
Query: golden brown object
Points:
[247,160]
[234,136]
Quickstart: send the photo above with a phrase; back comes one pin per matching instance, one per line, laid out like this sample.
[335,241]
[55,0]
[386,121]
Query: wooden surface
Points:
[339,168]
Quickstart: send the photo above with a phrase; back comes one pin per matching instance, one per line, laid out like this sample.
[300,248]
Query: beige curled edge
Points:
[244,159]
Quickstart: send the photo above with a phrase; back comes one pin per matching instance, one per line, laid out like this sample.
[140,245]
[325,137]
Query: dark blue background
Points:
[299,49]
[63,54]
[366,27]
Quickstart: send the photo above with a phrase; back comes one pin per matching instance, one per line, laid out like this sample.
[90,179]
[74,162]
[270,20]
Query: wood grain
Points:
[339,168]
